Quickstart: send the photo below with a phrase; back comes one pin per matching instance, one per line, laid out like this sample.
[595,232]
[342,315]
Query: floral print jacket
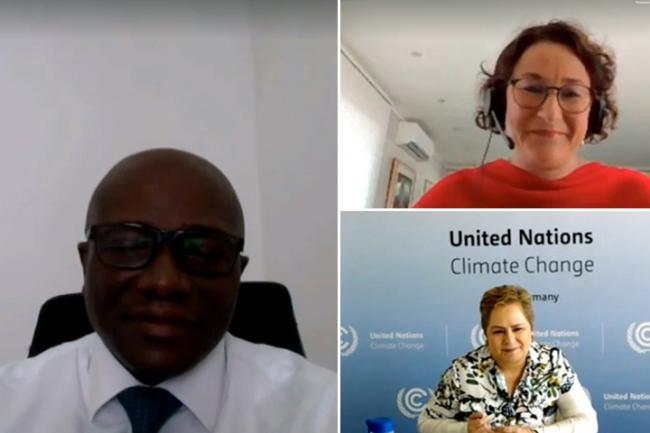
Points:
[473,383]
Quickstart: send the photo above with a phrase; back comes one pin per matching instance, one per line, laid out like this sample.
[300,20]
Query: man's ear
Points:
[82,248]
[243,263]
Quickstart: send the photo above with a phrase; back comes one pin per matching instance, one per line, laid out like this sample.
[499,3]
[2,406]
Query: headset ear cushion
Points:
[597,116]
[490,113]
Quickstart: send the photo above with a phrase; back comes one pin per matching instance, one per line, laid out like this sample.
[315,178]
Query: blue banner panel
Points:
[411,284]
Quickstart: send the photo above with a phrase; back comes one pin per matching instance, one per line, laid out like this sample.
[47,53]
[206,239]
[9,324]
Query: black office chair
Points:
[264,314]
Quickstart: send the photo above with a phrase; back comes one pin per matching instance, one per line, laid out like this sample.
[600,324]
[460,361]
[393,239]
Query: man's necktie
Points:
[148,408]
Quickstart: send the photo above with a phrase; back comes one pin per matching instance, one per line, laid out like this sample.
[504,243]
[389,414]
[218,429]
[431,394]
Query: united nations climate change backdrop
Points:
[411,283]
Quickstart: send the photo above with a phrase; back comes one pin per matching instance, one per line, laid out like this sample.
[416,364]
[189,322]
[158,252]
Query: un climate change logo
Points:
[349,340]
[411,402]
[477,336]
[638,337]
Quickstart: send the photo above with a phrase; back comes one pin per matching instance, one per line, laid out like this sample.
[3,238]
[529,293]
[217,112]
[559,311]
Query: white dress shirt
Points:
[239,387]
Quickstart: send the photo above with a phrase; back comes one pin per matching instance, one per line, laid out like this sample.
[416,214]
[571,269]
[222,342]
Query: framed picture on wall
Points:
[401,183]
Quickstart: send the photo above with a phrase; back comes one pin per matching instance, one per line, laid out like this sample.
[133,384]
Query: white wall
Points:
[364,120]
[79,94]
[294,54]
[368,144]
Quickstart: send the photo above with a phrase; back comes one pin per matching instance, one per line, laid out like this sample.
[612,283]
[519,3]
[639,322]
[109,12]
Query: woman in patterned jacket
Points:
[512,384]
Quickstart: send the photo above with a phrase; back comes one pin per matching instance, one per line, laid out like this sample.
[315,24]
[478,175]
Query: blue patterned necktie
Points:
[148,408]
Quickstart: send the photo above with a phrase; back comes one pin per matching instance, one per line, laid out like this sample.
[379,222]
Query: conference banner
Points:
[411,283]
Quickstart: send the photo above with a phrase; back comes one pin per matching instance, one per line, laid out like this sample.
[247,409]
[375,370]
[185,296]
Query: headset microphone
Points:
[493,122]
[507,140]
[487,147]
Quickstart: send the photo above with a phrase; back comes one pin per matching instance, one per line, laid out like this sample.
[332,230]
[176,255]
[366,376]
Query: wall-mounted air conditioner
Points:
[414,140]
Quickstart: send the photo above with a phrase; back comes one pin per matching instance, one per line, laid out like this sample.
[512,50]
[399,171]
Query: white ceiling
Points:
[455,37]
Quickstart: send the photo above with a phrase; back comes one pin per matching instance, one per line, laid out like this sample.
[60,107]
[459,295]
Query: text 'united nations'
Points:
[483,238]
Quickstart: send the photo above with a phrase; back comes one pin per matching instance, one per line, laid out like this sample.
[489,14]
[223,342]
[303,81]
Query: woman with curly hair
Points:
[512,384]
[551,92]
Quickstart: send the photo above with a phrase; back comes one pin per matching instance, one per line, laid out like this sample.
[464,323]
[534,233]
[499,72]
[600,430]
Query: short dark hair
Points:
[597,59]
[503,295]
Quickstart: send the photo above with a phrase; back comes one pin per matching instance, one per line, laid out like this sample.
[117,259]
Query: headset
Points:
[494,112]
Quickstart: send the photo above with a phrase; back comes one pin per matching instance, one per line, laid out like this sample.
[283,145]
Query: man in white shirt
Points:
[162,265]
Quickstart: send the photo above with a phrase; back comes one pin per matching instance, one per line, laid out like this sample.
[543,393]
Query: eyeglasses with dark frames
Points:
[573,98]
[198,251]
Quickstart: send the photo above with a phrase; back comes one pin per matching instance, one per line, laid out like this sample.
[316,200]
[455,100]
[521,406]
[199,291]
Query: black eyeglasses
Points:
[572,98]
[199,251]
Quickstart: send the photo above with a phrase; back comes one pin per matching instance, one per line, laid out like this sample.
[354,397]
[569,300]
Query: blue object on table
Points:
[380,425]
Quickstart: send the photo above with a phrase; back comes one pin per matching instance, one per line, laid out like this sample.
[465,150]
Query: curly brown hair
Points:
[503,295]
[597,59]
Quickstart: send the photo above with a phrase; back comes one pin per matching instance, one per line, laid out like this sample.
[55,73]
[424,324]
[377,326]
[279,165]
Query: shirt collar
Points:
[533,353]
[201,389]
[489,364]
[485,358]
[107,378]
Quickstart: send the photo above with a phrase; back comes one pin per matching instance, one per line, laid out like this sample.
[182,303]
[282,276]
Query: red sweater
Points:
[501,184]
